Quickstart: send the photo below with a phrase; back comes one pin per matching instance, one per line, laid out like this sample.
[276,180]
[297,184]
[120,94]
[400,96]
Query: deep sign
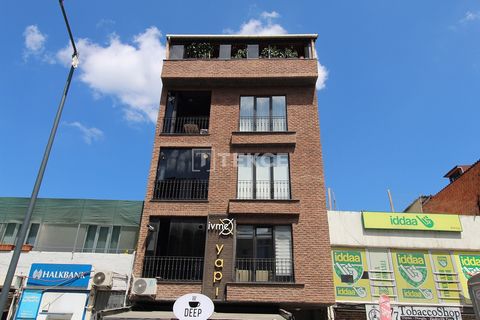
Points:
[59,275]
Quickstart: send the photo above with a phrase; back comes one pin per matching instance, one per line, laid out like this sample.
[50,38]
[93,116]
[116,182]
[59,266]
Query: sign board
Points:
[468,263]
[59,275]
[411,221]
[29,304]
[350,282]
[193,306]
[414,277]
[415,313]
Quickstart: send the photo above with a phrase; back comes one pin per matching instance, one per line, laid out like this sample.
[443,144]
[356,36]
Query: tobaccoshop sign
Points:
[415,313]
[193,306]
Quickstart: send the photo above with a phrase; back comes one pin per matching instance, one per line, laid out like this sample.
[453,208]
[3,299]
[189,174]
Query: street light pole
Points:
[36,188]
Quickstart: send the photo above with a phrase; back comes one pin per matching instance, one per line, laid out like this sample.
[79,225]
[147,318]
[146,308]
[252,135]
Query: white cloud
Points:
[89,134]
[322,76]
[34,39]
[470,16]
[270,15]
[128,72]
[265,26]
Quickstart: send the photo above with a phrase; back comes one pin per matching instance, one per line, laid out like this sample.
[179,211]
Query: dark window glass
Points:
[32,233]
[225,51]
[114,239]
[176,52]
[252,51]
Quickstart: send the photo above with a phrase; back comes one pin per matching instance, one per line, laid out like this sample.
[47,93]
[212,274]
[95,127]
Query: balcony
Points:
[182,269]
[263,190]
[263,124]
[185,125]
[264,270]
[181,189]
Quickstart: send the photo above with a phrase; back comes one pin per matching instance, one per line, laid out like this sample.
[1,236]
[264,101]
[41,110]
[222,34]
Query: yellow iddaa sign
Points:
[411,221]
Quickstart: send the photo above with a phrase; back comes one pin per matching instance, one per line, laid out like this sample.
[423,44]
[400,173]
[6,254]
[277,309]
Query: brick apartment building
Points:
[235,202]
[460,196]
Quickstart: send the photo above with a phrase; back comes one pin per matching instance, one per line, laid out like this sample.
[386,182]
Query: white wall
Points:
[346,229]
[120,264]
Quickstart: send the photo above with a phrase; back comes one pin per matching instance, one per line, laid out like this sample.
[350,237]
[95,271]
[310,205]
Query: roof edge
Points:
[241,36]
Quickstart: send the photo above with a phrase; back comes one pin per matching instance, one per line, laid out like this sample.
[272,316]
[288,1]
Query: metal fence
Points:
[185,125]
[185,189]
[263,189]
[173,268]
[263,270]
[265,124]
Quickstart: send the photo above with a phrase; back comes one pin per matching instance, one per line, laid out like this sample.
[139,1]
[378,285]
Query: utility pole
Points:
[38,182]
[392,209]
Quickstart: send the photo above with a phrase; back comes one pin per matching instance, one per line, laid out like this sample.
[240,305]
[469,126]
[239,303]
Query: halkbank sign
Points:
[411,221]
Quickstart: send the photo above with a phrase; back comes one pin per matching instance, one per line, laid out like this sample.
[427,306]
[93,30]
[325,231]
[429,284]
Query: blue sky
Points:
[399,106]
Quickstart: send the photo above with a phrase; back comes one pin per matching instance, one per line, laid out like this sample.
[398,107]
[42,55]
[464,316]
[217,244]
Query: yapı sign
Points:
[193,306]
[411,221]
[59,275]
[415,313]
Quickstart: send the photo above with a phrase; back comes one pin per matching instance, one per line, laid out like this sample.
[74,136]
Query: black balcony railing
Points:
[263,270]
[263,189]
[263,124]
[173,268]
[186,125]
[181,189]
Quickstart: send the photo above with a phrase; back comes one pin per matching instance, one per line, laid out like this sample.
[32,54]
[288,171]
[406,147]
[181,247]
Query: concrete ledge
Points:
[265,292]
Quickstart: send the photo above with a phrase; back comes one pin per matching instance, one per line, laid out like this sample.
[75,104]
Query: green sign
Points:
[349,266]
[411,221]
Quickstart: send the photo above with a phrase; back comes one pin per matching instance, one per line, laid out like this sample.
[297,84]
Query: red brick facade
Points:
[461,196]
[305,212]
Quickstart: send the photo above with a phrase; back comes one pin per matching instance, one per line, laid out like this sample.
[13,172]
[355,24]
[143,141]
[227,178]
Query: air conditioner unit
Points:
[102,279]
[144,286]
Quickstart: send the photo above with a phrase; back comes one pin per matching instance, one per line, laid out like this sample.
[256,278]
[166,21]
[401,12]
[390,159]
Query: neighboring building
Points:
[421,261]
[460,196]
[101,234]
[235,203]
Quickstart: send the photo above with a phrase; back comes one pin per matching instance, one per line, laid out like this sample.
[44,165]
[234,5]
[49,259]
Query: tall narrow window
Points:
[263,114]
[263,177]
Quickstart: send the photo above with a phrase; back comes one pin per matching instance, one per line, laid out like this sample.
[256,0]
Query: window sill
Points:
[183,134]
[264,138]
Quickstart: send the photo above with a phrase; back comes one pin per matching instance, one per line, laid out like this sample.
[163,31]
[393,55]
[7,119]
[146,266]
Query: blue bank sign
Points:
[59,275]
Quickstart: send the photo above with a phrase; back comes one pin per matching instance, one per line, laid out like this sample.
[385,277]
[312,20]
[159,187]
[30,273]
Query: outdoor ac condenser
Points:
[144,286]
[103,279]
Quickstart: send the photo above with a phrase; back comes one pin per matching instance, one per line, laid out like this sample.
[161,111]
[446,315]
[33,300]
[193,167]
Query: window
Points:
[263,176]
[187,112]
[263,114]
[175,249]
[9,233]
[264,253]
[182,174]
[102,239]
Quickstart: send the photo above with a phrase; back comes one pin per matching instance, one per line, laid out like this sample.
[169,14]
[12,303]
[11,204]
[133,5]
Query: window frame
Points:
[4,226]
[108,241]
[270,112]
[271,175]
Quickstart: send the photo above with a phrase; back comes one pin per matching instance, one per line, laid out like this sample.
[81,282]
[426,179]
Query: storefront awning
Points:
[167,315]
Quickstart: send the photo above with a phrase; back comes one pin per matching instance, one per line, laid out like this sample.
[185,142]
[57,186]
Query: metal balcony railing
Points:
[173,268]
[263,270]
[181,189]
[186,125]
[263,124]
[263,189]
